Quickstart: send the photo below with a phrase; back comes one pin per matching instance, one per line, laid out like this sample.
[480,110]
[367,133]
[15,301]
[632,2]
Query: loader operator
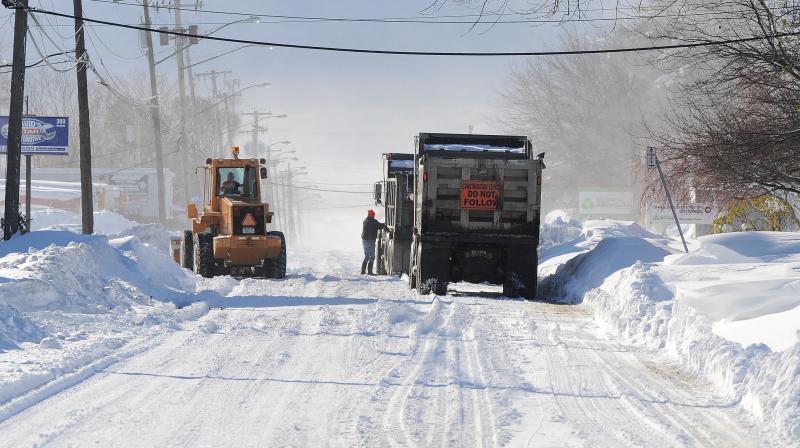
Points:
[369,234]
[230,186]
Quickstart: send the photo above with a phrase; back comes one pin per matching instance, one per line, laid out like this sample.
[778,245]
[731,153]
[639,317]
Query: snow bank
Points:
[105,222]
[87,273]
[602,248]
[558,228]
[16,328]
[69,302]
[729,310]
[637,304]
[743,247]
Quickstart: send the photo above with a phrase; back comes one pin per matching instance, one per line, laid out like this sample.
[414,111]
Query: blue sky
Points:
[343,108]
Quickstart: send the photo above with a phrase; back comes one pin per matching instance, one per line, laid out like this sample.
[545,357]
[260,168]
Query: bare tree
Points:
[733,129]
[585,112]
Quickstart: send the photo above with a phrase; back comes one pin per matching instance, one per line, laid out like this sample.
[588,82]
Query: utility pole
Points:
[155,113]
[231,86]
[215,93]
[11,216]
[257,129]
[292,224]
[27,180]
[181,104]
[193,103]
[87,205]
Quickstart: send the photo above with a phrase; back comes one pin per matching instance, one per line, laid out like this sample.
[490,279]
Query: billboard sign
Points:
[40,135]
[700,213]
[605,202]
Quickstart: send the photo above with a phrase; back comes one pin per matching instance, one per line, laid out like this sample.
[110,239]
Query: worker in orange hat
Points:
[369,233]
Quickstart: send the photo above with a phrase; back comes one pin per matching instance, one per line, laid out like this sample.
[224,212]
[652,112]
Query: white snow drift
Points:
[370,363]
[68,302]
[729,310]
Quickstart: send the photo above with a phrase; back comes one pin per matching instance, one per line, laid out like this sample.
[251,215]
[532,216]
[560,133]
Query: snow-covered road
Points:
[325,358]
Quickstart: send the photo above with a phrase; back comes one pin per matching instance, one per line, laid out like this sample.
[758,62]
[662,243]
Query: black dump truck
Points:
[477,201]
[394,193]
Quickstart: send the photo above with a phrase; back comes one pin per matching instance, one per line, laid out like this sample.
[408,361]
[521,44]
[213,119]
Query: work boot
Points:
[369,268]
[364,267]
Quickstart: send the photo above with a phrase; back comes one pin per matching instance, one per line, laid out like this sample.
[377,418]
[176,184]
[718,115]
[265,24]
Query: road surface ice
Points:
[328,358]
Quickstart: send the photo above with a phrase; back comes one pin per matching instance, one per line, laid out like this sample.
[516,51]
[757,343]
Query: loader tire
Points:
[204,254]
[276,267]
[187,250]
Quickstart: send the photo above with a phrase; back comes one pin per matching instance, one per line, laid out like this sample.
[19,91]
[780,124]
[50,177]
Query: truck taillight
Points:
[425,176]
[538,180]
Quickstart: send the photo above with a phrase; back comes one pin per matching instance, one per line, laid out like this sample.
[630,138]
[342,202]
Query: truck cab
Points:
[394,193]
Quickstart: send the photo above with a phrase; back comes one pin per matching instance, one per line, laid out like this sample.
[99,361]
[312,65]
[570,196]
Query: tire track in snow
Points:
[484,415]
[394,423]
[674,409]
[590,415]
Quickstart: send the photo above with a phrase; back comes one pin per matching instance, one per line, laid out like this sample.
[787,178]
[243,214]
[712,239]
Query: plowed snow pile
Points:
[71,304]
[729,310]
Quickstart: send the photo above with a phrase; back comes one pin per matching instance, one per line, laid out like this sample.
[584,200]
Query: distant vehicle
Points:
[477,204]
[394,194]
[133,192]
[230,236]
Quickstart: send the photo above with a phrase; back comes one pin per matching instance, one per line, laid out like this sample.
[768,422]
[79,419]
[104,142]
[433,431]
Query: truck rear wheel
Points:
[276,267]
[431,267]
[204,254]
[380,257]
[187,250]
[521,275]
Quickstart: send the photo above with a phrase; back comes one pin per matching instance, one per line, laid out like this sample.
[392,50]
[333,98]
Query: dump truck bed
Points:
[477,185]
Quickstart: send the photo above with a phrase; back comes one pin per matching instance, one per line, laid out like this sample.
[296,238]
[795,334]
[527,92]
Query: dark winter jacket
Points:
[370,229]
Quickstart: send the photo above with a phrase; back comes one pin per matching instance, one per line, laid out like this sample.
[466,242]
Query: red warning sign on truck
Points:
[479,194]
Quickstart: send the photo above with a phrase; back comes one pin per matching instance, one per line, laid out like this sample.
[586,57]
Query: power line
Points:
[40,61]
[471,19]
[332,183]
[428,53]
[336,207]
[298,187]
[46,58]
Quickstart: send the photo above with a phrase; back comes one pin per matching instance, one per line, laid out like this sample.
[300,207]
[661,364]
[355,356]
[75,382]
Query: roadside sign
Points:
[479,194]
[651,156]
[605,202]
[700,213]
[40,135]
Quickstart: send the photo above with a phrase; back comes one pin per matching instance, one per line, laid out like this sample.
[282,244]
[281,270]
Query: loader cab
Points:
[235,179]
[237,182]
